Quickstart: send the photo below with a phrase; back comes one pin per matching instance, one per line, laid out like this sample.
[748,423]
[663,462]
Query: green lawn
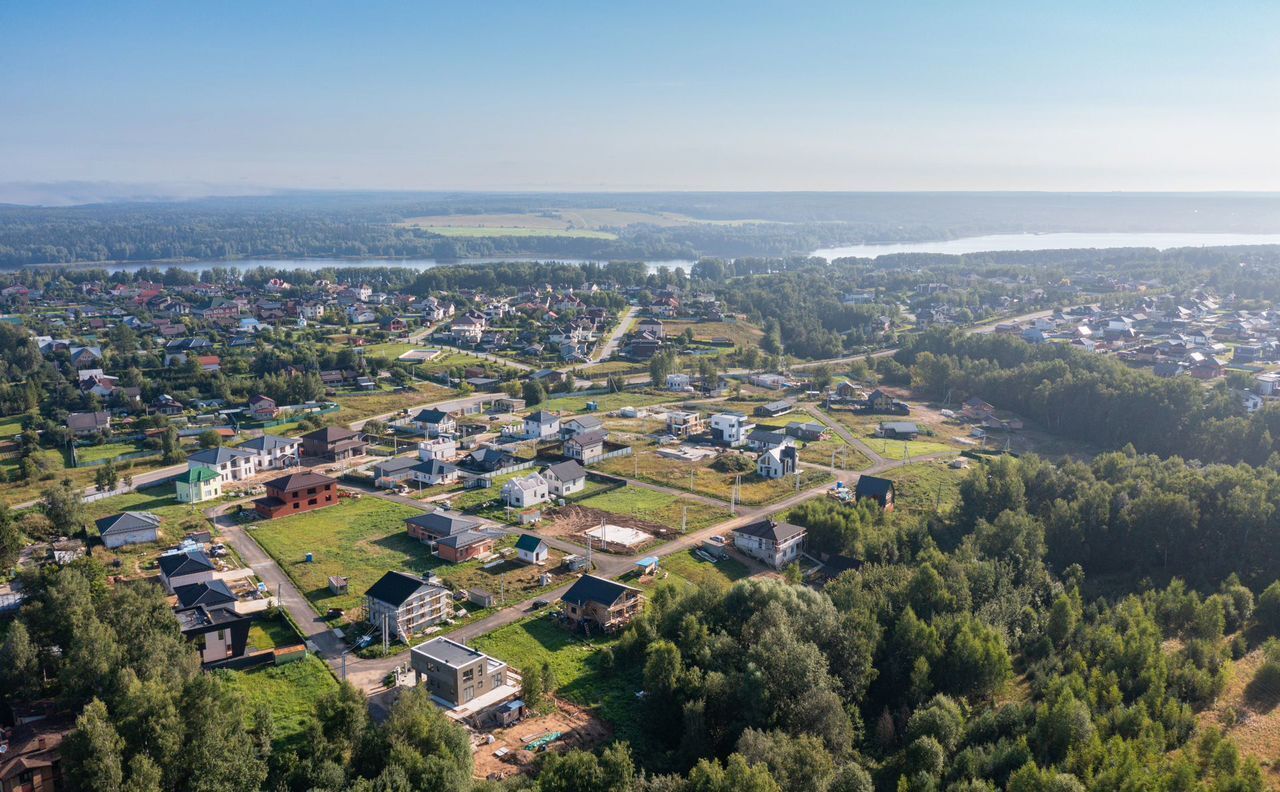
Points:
[645,465]
[388,351]
[357,406]
[687,566]
[656,507]
[923,485]
[607,402]
[893,449]
[94,453]
[289,692]
[159,500]
[272,633]
[11,426]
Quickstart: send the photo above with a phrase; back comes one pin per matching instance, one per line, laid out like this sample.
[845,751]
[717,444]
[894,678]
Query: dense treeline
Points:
[1094,398]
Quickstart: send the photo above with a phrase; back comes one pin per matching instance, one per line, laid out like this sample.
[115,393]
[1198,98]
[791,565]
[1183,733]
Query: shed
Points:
[338,584]
[481,597]
[648,565]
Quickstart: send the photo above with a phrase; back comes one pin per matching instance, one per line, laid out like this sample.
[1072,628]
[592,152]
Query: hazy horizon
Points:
[663,97]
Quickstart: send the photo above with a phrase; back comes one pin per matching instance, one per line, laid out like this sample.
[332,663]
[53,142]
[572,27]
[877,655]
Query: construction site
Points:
[604,531]
[504,752]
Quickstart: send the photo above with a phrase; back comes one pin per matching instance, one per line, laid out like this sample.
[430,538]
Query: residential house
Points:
[898,430]
[565,478]
[976,408]
[456,674]
[770,381]
[263,408]
[596,603]
[541,425]
[180,569]
[880,490]
[32,756]
[440,449]
[88,423]
[775,543]
[437,525]
[296,493]
[220,633]
[763,439]
[434,472]
[434,422]
[808,431]
[233,464]
[580,425]
[524,491]
[272,452]
[164,404]
[391,473]
[774,409]
[210,593]
[333,444]
[128,528]
[730,429]
[531,549]
[198,484]
[464,546]
[776,462]
[683,424]
[406,604]
[678,382]
[585,447]
[652,326]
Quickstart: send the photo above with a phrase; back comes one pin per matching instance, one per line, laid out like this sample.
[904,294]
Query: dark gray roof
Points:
[450,653]
[767,437]
[126,522]
[269,443]
[214,592]
[434,467]
[872,487]
[218,456]
[88,420]
[529,543]
[590,588]
[295,481]
[395,588]
[439,523]
[542,416]
[431,416]
[566,471]
[588,438]
[395,464]
[178,564]
[584,422]
[464,539]
[770,529]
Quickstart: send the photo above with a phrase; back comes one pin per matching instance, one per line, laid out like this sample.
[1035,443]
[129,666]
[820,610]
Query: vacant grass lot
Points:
[272,633]
[607,402]
[289,692]
[741,334]
[645,465]
[686,566]
[581,677]
[830,450]
[94,453]
[864,427]
[176,520]
[657,507]
[507,231]
[922,486]
[10,426]
[358,406]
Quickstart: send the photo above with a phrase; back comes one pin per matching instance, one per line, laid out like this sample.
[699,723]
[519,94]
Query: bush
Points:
[1268,610]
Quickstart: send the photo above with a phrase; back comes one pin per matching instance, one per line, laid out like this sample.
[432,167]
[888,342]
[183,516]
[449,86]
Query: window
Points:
[311,502]
[295,504]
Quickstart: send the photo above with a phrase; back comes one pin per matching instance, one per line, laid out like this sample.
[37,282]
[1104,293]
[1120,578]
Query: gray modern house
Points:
[456,674]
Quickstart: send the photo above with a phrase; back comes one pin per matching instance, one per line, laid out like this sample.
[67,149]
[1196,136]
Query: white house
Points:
[272,452]
[525,491]
[406,604]
[731,429]
[181,569]
[128,528]
[585,447]
[580,425]
[434,422]
[776,462]
[433,472]
[776,544]
[233,464]
[565,478]
[677,382]
[541,424]
[531,549]
[440,449]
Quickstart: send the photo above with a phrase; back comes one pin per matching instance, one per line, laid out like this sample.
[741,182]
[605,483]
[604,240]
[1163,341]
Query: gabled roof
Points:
[396,588]
[588,438]
[295,481]
[88,420]
[214,592]
[590,588]
[197,474]
[330,434]
[431,416]
[872,487]
[464,539]
[771,530]
[219,455]
[395,464]
[569,470]
[529,543]
[269,443]
[126,522]
[584,422]
[438,523]
[434,467]
[543,417]
[179,564]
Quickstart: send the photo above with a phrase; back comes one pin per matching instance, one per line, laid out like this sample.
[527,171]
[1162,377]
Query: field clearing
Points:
[94,453]
[605,368]
[509,231]
[657,507]
[10,427]
[864,428]
[289,692]
[644,464]
[176,520]
[356,407]
[389,351]
[274,633]
[922,486]
[741,333]
[609,402]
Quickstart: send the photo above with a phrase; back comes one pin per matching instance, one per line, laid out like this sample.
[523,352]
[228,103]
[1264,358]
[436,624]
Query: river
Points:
[1061,241]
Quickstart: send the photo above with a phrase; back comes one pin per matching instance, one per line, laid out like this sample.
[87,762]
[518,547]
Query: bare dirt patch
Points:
[1254,729]
[578,729]
[573,521]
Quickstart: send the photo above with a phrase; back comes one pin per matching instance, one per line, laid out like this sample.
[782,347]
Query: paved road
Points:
[605,351]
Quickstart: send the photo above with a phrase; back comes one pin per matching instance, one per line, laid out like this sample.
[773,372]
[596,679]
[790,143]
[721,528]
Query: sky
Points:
[496,95]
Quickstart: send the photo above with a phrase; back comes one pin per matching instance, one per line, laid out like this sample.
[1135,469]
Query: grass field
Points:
[356,407]
[272,633]
[820,452]
[176,520]
[94,453]
[922,486]
[388,351]
[11,426]
[645,465]
[608,402]
[289,692]
[657,507]
[741,334]
[579,672]
[509,231]
[864,427]
[686,566]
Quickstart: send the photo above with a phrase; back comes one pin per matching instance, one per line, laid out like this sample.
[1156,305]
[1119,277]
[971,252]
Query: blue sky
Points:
[652,95]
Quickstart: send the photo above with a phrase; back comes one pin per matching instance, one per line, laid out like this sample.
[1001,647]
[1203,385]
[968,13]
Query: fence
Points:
[618,452]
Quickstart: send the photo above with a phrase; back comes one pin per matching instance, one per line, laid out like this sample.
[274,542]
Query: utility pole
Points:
[684,519]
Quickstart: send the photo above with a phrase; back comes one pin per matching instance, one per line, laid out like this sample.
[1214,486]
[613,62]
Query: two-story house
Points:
[406,604]
[776,544]
[730,429]
[456,674]
[594,604]
[296,493]
[233,464]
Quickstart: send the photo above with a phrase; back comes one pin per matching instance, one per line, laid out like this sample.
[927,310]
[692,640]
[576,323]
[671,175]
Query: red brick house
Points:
[464,546]
[31,761]
[296,493]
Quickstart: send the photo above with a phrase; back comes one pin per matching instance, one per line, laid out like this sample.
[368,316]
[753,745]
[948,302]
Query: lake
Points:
[1062,241]
[313,264]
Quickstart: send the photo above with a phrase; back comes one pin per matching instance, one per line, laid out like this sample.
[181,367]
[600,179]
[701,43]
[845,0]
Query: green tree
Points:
[64,508]
[171,447]
[735,775]
[105,478]
[19,663]
[1268,611]
[10,539]
[210,438]
[144,775]
[533,392]
[93,753]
